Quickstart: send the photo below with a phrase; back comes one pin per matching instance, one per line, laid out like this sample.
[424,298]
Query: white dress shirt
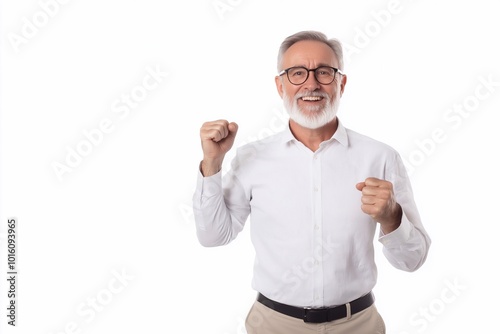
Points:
[314,245]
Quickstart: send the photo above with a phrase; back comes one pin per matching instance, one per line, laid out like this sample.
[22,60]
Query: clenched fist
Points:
[378,201]
[217,138]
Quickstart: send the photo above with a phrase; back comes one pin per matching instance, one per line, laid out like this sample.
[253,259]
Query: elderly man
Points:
[316,193]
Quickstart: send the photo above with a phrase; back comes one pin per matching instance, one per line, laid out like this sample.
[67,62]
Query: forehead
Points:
[309,53]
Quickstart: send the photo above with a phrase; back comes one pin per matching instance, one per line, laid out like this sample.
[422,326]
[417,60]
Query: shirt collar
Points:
[340,135]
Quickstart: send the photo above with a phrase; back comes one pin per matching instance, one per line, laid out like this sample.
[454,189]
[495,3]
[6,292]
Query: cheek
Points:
[334,92]
[290,91]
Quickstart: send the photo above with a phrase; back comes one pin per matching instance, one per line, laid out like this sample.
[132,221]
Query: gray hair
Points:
[333,43]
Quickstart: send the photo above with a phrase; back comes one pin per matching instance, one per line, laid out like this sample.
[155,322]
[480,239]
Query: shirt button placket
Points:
[317,230]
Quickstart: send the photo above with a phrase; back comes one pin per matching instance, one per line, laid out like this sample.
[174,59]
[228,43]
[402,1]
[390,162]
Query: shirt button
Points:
[316,227]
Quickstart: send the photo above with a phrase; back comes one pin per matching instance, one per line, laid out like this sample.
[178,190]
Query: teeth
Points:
[311,98]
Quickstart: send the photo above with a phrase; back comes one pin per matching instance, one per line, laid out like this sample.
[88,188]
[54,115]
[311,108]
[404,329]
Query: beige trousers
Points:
[263,320]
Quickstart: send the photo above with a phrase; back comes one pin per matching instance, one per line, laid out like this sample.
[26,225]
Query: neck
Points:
[311,138]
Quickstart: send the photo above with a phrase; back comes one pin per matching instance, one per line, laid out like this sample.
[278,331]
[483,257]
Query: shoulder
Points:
[364,142]
[372,151]
[252,154]
[376,156]
[266,144]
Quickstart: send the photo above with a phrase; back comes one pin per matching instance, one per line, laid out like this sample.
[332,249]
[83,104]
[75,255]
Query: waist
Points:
[300,288]
[322,314]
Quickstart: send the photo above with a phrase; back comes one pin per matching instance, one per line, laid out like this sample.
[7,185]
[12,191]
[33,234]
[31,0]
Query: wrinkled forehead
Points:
[309,54]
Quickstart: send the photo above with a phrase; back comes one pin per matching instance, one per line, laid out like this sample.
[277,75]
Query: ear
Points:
[279,85]
[343,81]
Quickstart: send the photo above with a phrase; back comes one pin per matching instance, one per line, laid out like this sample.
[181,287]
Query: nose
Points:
[311,83]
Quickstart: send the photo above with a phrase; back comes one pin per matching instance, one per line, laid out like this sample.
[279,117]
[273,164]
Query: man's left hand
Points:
[378,201]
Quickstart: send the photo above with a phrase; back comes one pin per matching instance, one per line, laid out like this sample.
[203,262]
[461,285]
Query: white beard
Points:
[314,117]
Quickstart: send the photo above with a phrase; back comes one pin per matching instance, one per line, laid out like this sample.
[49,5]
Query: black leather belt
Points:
[318,315]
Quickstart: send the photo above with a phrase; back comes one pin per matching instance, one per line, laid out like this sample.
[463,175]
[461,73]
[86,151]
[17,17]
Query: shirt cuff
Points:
[399,235]
[210,185]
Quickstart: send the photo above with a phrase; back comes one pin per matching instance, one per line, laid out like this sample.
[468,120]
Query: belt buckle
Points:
[315,315]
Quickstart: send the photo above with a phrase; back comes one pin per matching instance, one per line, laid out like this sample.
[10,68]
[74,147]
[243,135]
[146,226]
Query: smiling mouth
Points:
[311,98]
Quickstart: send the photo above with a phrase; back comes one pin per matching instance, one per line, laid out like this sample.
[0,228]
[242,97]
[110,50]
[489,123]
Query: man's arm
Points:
[217,222]
[390,203]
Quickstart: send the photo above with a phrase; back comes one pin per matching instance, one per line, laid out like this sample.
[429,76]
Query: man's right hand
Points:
[217,138]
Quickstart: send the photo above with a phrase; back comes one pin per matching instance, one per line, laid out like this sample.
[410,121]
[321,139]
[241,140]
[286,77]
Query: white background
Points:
[125,208]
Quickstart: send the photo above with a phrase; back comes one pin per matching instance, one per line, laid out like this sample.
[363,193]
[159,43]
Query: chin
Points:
[312,124]
[312,119]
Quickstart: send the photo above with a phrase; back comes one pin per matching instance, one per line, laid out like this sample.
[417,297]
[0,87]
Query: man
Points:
[316,193]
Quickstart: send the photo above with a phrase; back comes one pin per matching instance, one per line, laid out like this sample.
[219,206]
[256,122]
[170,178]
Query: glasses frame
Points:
[336,70]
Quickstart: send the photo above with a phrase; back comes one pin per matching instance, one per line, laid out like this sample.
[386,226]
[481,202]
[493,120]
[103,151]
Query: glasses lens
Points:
[297,75]
[325,75]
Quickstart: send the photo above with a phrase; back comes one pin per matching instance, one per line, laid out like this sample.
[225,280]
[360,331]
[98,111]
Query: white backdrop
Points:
[101,104]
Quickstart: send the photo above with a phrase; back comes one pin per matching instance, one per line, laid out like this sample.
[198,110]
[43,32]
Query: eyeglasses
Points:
[297,75]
